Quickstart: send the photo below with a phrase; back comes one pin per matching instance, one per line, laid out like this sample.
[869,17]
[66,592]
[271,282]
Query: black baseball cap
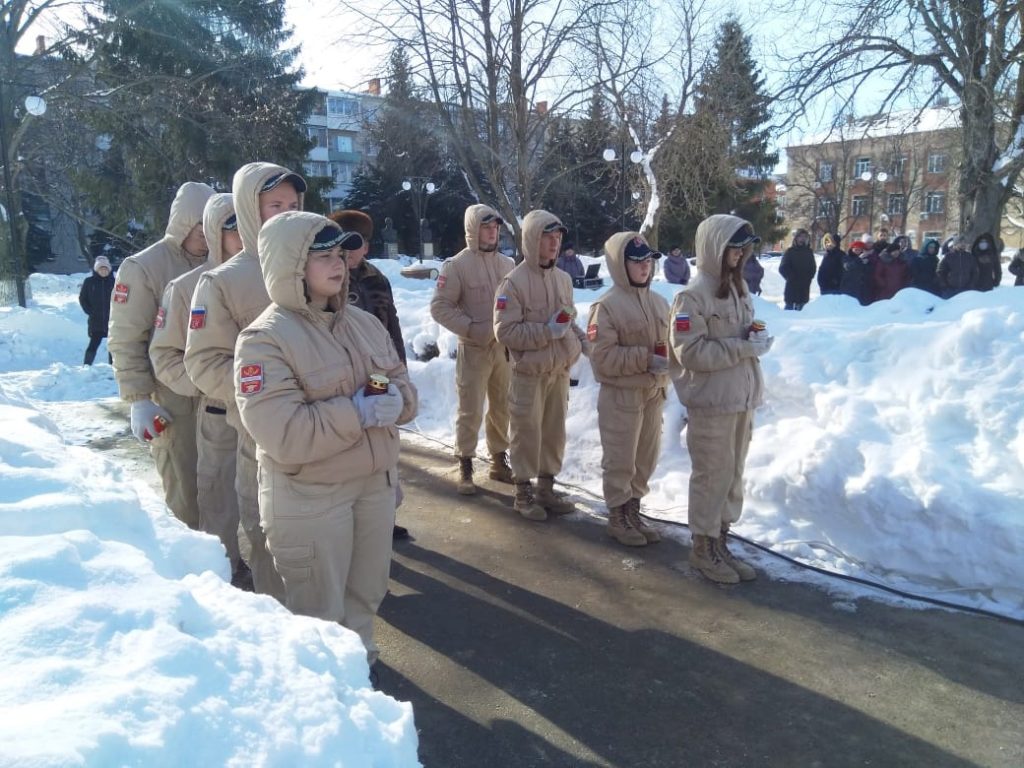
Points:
[230,223]
[332,235]
[292,178]
[489,217]
[637,250]
[743,236]
[555,226]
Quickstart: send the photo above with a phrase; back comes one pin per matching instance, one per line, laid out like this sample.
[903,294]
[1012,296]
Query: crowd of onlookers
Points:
[874,269]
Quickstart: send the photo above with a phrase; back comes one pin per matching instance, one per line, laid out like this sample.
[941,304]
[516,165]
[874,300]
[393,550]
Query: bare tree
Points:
[972,49]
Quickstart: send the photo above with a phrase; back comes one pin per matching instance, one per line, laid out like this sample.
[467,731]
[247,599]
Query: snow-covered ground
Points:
[891,448]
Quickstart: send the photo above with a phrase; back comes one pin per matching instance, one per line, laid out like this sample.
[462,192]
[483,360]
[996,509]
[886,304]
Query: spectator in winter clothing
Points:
[753,273]
[569,262]
[677,267]
[990,268]
[627,323]
[830,273]
[891,274]
[857,271]
[368,289]
[534,316]
[1017,267]
[958,270]
[95,300]
[327,451]
[923,268]
[905,251]
[797,268]
[715,362]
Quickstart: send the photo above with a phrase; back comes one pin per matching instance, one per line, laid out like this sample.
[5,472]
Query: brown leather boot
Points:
[525,503]
[633,515]
[744,571]
[705,558]
[500,470]
[621,529]
[555,503]
[466,487]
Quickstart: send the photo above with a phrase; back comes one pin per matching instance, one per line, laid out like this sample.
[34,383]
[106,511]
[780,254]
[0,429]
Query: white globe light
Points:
[883,177]
[866,176]
[430,188]
[35,105]
[406,186]
[608,154]
[636,156]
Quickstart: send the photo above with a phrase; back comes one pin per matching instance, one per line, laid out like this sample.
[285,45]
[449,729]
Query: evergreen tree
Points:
[731,96]
[191,90]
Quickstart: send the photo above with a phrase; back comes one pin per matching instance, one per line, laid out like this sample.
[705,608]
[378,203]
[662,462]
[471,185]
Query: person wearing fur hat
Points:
[216,440]
[990,267]
[94,298]
[715,364]
[798,268]
[830,273]
[463,303]
[627,330]
[160,418]
[923,268]
[958,270]
[857,270]
[326,439]
[534,316]
[890,274]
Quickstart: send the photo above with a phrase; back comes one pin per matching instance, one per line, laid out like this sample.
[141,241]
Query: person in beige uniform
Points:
[715,362]
[534,317]
[628,332]
[226,300]
[159,416]
[463,303]
[216,440]
[328,450]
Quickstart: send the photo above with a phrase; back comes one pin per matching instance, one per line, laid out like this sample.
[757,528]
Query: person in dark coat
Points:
[1017,267]
[856,279]
[95,300]
[990,268]
[924,266]
[958,270]
[797,268]
[830,273]
[570,263]
[676,267]
[753,273]
[905,251]
[891,274]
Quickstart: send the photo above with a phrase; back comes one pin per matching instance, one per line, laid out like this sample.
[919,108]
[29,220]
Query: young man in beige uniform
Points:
[216,440]
[628,331]
[159,416]
[463,303]
[328,450]
[226,300]
[534,317]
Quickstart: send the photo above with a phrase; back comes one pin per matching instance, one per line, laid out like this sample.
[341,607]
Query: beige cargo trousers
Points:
[481,373]
[265,578]
[629,420]
[216,443]
[717,444]
[174,453]
[537,408]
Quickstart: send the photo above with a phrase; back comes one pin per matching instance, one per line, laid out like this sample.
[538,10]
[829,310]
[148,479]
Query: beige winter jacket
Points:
[464,296]
[167,351]
[714,367]
[230,296]
[526,299]
[140,287]
[297,369]
[625,323]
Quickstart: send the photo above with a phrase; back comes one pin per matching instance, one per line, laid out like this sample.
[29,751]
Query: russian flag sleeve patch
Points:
[197,318]
[501,302]
[682,322]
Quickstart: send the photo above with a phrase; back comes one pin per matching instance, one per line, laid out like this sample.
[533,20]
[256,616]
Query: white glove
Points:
[366,407]
[762,345]
[148,420]
[389,406]
[657,364]
[760,335]
[558,329]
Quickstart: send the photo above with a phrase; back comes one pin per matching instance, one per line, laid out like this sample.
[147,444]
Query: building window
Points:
[937,162]
[935,202]
[317,135]
[863,165]
[931,236]
[338,105]
[899,165]
[341,142]
[897,205]
[860,205]
[825,172]
[317,168]
[342,172]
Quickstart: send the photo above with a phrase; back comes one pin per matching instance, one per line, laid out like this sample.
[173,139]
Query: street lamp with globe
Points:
[871,178]
[635,157]
[419,189]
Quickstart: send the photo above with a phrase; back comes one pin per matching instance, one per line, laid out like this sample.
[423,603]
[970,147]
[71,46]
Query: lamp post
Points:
[636,156]
[871,178]
[419,188]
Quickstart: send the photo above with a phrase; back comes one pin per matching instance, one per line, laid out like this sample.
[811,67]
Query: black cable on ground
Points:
[792,561]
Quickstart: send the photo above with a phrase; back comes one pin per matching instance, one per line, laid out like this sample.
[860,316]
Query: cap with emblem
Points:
[280,178]
[332,235]
[555,226]
[638,250]
[743,236]
[488,218]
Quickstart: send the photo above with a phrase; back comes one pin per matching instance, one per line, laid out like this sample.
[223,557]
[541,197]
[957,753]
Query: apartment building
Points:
[337,127]
[895,172]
